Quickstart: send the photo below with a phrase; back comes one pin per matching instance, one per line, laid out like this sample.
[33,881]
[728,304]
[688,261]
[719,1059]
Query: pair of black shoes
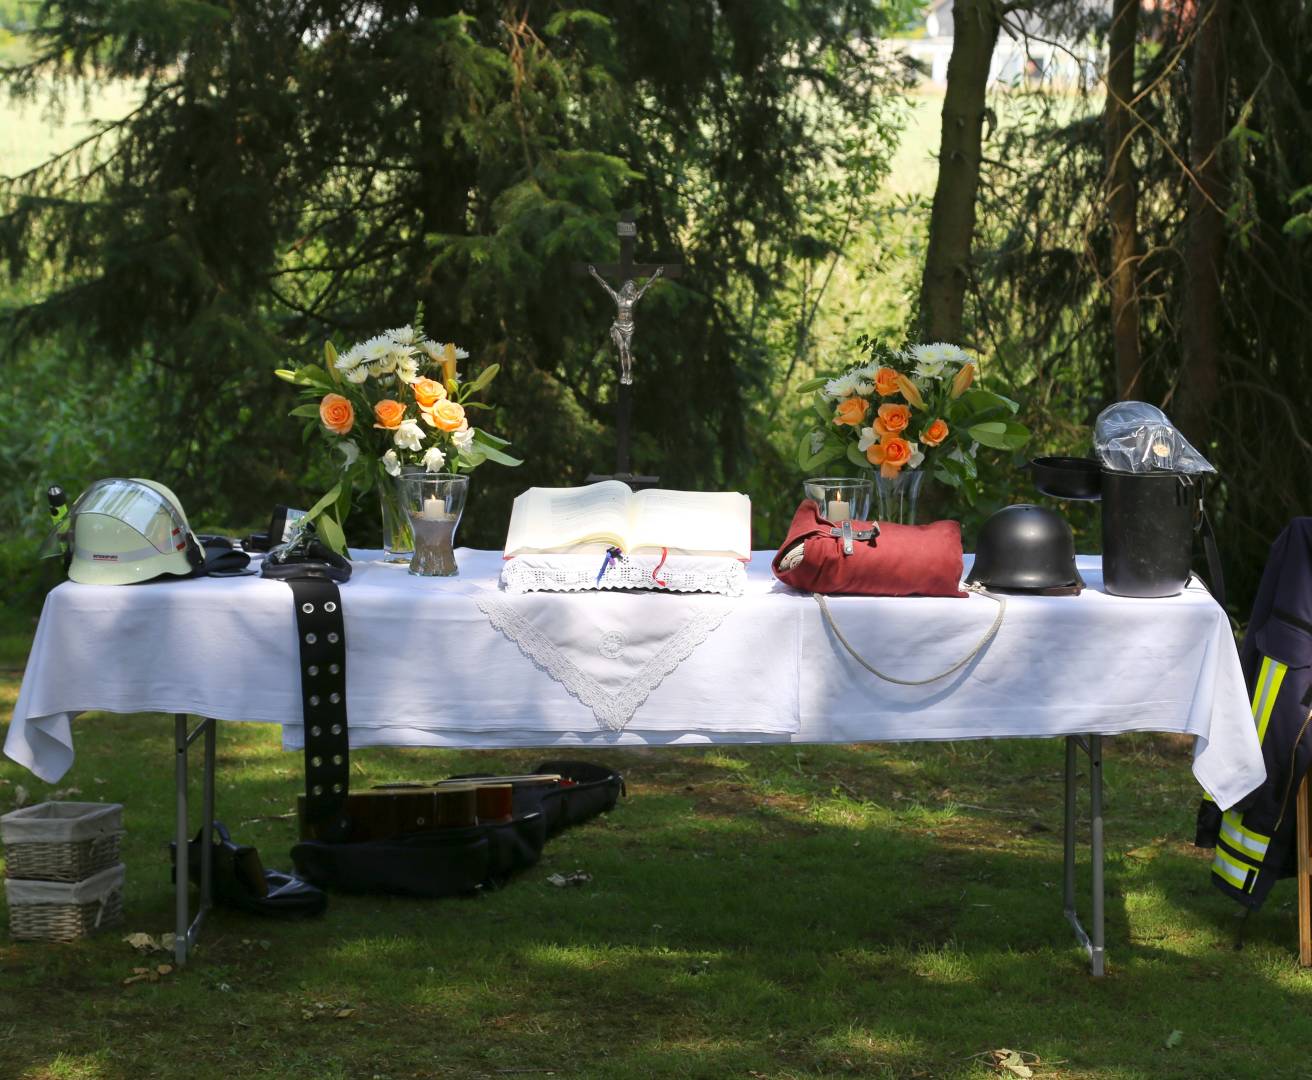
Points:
[239,880]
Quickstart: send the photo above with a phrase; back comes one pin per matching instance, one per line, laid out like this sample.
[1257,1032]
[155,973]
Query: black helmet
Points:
[1026,548]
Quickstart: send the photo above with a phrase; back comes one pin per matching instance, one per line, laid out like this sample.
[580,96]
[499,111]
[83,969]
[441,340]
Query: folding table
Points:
[762,667]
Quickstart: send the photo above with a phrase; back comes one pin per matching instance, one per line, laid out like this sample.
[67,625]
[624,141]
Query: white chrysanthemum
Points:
[356,374]
[392,463]
[403,335]
[867,371]
[462,354]
[433,349]
[867,440]
[864,388]
[350,451]
[917,456]
[434,459]
[407,369]
[842,387]
[351,358]
[464,438]
[384,365]
[409,435]
[933,361]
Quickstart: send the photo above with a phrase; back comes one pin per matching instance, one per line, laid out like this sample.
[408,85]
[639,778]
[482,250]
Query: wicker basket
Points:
[61,841]
[60,911]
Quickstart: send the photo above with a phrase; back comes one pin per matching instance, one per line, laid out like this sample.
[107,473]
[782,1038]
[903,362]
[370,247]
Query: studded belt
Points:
[322,639]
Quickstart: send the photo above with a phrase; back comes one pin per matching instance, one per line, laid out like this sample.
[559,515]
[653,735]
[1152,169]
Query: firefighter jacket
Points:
[1255,840]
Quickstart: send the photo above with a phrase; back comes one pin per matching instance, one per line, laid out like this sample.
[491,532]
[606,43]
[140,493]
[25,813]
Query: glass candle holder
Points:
[433,503]
[840,498]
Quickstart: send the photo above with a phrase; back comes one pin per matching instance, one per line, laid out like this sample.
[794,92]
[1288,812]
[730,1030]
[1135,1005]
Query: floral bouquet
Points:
[393,401]
[909,409]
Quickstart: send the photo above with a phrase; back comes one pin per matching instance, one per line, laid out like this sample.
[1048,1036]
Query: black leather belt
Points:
[322,637]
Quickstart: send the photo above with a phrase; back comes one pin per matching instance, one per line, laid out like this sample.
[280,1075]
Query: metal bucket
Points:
[1148,531]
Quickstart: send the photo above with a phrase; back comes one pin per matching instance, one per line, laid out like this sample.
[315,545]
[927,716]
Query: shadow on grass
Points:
[771,911]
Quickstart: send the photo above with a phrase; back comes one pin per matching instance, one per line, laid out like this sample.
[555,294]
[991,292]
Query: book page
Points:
[702,522]
[553,519]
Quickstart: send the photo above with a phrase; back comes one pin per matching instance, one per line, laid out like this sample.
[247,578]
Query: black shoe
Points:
[238,880]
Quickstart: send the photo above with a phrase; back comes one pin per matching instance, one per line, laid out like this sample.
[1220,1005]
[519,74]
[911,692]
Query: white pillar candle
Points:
[434,508]
[839,510]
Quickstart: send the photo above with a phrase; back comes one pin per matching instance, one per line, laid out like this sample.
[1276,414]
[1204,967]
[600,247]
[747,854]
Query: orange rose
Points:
[447,415]
[935,433]
[886,381]
[890,455]
[852,411]
[389,414]
[893,418]
[909,391]
[428,392]
[962,379]
[337,414]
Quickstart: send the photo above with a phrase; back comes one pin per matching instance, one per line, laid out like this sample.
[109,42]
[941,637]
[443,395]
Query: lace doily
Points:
[568,663]
[576,573]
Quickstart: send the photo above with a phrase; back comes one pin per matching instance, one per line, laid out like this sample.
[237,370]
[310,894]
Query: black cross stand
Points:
[626,270]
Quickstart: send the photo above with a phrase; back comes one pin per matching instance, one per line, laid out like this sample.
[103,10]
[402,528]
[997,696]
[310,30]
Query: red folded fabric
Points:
[903,560]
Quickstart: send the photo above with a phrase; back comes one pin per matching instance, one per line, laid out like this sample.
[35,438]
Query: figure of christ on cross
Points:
[626,297]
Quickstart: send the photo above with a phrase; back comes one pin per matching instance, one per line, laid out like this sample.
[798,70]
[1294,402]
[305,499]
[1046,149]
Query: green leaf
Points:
[500,457]
[328,499]
[856,457]
[331,533]
[812,385]
[1000,435]
[488,439]
[945,475]
[311,409]
[979,400]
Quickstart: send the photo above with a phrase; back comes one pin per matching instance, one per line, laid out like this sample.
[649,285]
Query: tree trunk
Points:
[952,220]
[1122,197]
[1205,244]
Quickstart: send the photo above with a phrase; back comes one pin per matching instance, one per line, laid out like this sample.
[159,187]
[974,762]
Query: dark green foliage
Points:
[1040,303]
[308,170]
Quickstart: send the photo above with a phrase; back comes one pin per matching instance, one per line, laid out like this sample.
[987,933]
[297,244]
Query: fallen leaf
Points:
[165,969]
[1174,1039]
[145,943]
[64,793]
[342,1014]
[579,877]
[20,795]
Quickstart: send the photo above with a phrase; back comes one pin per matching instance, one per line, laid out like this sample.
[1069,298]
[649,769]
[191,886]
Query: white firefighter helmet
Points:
[125,531]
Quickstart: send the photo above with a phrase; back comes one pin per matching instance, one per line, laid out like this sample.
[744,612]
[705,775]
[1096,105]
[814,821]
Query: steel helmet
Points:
[1026,548]
[125,531]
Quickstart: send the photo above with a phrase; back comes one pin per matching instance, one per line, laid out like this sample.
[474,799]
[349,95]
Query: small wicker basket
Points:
[64,911]
[61,841]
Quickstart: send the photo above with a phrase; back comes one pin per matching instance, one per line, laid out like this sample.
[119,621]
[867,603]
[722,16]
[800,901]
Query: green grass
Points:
[770,912]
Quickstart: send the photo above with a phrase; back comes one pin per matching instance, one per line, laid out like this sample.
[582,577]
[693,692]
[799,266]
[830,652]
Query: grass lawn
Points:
[754,912]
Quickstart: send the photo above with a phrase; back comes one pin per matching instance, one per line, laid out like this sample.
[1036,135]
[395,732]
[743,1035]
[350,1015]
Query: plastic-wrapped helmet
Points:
[124,531]
[1026,548]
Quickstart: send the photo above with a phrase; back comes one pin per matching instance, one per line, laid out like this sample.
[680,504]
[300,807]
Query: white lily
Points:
[867,440]
[350,451]
[408,436]
[434,459]
[917,457]
[464,438]
[392,463]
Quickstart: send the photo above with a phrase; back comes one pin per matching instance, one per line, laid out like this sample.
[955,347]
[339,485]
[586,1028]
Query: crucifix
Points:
[626,297]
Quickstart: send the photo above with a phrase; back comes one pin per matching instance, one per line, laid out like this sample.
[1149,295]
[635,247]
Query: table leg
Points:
[1301,808]
[185,929]
[1095,946]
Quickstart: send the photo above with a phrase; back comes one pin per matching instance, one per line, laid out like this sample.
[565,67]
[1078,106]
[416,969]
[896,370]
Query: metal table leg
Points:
[1094,946]
[187,930]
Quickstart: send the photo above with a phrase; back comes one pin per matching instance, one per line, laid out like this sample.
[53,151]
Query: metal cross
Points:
[626,295]
[848,533]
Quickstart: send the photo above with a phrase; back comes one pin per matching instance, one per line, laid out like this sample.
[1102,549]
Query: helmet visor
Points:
[139,507]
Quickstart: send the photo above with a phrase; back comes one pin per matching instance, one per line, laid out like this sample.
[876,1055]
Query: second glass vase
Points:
[433,503]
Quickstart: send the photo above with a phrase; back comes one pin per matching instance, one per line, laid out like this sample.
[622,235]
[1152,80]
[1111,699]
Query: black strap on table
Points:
[322,638]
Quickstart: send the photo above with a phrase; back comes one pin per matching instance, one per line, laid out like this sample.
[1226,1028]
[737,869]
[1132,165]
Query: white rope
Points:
[989,635]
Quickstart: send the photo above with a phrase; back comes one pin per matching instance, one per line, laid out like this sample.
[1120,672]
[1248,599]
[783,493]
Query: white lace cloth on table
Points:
[577,572]
[610,655]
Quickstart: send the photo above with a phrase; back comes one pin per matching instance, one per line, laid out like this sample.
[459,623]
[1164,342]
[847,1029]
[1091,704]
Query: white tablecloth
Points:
[427,668]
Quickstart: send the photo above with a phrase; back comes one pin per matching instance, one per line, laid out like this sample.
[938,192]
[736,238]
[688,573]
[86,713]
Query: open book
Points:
[610,514]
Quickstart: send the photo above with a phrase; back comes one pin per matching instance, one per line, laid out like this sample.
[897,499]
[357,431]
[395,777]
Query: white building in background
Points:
[1024,60]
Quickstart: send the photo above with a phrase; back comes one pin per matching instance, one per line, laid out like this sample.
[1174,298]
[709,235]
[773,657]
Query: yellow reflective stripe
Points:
[1269,698]
[1263,673]
[1232,827]
[1233,873]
